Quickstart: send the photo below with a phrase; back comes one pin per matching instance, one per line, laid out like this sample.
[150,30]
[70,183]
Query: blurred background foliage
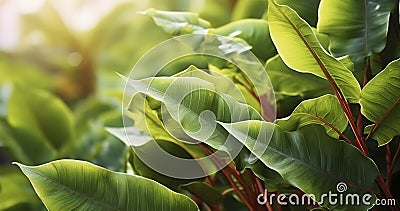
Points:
[73,48]
[58,83]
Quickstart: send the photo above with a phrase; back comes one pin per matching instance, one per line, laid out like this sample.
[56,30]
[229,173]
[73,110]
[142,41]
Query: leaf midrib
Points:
[68,188]
[302,163]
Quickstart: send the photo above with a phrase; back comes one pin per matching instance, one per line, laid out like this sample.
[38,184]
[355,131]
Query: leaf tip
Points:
[122,76]
[149,12]
[20,165]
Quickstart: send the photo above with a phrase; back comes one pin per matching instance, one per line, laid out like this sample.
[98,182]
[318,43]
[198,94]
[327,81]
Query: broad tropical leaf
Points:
[254,31]
[323,110]
[78,185]
[24,146]
[184,116]
[100,148]
[380,100]
[186,99]
[305,156]
[300,50]
[357,28]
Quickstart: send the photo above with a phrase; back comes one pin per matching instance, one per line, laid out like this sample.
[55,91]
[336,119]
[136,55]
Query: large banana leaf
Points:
[300,50]
[357,28]
[380,100]
[78,185]
[186,99]
[187,112]
[311,160]
[321,110]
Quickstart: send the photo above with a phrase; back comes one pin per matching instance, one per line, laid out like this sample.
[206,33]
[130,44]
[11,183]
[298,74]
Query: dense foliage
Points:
[334,67]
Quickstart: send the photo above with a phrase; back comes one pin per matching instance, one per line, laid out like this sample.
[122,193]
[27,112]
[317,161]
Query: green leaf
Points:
[310,160]
[292,83]
[147,125]
[178,23]
[89,110]
[254,31]
[177,95]
[380,100]
[15,189]
[321,110]
[300,50]
[224,107]
[204,191]
[100,148]
[359,31]
[25,146]
[308,10]
[41,114]
[70,184]
[171,148]
[19,71]
[249,9]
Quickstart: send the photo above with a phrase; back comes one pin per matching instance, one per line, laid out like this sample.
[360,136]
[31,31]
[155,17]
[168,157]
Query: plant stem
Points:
[391,166]
[359,138]
[227,172]
[250,194]
[262,191]
[267,113]
[386,190]
[238,191]
[388,162]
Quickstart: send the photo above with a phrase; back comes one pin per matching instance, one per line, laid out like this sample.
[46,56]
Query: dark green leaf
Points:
[357,28]
[380,100]
[255,32]
[15,189]
[204,191]
[310,160]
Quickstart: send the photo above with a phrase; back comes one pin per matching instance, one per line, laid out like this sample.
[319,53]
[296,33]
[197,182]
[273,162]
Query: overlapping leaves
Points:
[300,50]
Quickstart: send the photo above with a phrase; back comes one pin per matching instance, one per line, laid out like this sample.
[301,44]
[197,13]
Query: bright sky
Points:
[78,14]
